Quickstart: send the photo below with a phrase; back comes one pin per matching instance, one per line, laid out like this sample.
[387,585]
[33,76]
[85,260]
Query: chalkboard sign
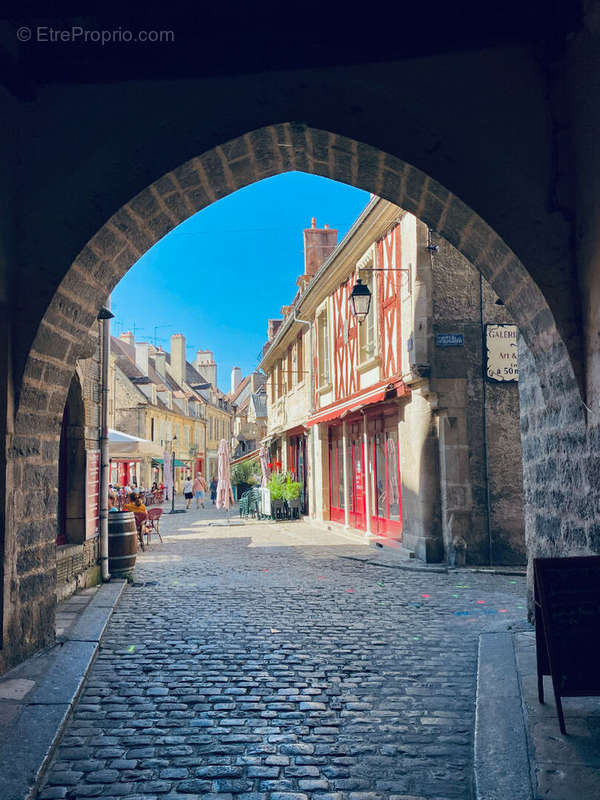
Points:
[567,622]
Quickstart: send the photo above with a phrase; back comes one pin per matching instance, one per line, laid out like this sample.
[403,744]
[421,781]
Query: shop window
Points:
[385,473]
[380,498]
[393,475]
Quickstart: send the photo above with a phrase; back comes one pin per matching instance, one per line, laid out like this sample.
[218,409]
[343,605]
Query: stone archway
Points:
[134,228]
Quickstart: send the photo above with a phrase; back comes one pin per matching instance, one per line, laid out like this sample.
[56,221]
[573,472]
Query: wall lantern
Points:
[360,297]
[360,300]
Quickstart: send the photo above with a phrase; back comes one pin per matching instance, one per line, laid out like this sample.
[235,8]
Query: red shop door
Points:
[357,506]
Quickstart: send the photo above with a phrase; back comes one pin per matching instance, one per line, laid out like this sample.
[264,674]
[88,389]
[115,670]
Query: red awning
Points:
[343,409]
[348,408]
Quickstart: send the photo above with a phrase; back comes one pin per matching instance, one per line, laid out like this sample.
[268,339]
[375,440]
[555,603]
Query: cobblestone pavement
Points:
[259,662]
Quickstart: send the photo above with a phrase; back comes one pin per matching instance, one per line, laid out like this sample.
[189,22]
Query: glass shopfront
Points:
[296,463]
[384,470]
[383,474]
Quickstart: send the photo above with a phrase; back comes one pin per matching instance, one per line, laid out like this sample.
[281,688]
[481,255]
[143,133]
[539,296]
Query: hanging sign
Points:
[501,353]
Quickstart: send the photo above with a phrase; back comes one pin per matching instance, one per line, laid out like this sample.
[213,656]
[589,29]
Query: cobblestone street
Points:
[270,662]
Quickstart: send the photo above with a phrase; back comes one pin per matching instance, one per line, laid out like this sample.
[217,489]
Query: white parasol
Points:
[168,474]
[224,491]
[263,466]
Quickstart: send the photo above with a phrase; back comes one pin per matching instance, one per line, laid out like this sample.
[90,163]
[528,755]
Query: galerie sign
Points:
[501,349]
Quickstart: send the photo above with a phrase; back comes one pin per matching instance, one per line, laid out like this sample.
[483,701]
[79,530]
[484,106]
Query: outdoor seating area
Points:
[258,504]
[148,497]
[147,522]
[250,504]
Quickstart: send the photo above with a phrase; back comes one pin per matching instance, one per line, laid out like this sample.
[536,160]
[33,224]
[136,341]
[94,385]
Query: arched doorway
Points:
[71,469]
[188,188]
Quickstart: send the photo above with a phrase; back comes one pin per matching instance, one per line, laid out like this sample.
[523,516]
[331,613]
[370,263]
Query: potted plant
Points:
[276,486]
[292,492]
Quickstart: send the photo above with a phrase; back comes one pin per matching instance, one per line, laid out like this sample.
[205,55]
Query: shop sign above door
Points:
[501,353]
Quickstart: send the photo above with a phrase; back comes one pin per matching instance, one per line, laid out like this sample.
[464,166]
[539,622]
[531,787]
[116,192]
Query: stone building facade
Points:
[401,434]
[248,401]
[163,398]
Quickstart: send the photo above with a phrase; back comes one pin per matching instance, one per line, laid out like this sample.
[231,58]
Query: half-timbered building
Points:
[407,438]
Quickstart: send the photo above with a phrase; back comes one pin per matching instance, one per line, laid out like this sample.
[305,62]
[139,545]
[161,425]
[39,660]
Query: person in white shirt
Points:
[188,491]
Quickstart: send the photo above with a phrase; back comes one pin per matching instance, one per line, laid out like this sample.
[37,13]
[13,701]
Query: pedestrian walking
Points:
[188,490]
[199,490]
[213,489]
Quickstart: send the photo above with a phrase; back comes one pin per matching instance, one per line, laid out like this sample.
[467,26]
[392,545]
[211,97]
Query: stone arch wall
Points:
[62,335]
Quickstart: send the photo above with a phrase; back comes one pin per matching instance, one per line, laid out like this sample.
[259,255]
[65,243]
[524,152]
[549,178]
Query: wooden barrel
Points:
[122,543]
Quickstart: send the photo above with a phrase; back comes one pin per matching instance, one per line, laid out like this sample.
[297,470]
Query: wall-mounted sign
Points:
[92,488]
[501,352]
[449,340]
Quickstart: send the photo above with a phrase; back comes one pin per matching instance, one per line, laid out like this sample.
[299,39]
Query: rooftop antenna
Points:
[155,338]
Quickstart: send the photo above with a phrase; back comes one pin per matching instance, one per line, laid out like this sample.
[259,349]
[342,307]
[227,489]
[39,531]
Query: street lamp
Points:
[173,510]
[360,300]
[360,297]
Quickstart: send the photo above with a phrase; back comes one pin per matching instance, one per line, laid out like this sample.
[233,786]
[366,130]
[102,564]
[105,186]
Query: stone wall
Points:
[479,419]
[77,567]
[561,468]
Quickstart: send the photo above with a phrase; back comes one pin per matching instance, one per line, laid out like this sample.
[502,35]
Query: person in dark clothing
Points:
[213,489]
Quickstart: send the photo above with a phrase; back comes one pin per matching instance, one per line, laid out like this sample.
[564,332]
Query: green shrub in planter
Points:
[276,485]
[292,488]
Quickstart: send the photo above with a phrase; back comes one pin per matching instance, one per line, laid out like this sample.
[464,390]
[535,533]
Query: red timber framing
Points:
[389,285]
[345,339]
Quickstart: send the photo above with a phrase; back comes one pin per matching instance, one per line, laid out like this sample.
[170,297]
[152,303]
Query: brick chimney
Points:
[318,244]
[178,357]
[128,338]
[141,356]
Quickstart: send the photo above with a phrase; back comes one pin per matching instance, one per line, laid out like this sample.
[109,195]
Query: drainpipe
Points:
[105,317]
[311,435]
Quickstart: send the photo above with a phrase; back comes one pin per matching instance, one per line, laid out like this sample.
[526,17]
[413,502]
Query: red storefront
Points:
[372,470]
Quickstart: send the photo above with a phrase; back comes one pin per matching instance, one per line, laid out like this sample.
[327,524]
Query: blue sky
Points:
[222,273]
